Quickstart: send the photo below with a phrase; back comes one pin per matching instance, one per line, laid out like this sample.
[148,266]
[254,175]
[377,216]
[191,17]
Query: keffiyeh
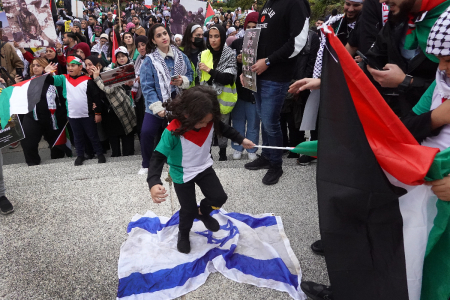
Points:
[438,42]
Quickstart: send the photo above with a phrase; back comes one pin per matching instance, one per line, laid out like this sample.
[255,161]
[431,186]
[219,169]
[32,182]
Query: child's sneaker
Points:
[210,222]
[183,245]
[143,171]
[79,161]
[5,206]
[101,159]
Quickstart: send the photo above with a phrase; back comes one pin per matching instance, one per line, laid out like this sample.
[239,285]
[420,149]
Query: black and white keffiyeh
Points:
[163,71]
[227,64]
[438,42]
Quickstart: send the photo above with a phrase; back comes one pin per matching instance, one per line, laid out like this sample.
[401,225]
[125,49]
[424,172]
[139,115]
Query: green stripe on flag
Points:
[5,96]
[436,269]
[306,148]
[208,19]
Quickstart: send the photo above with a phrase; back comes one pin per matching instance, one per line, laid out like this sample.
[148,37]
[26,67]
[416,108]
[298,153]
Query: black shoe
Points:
[183,245]
[305,160]
[316,291]
[293,155]
[210,222]
[273,175]
[79,161]
[260,163]
[223,154]
[101,159]
[317,248]
[5,206]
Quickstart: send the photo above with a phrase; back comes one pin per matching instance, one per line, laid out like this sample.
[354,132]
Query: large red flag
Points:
[115,45]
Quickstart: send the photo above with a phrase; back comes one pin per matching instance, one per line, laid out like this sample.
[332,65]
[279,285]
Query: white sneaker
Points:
[143,171]
[252,156]
[237,155]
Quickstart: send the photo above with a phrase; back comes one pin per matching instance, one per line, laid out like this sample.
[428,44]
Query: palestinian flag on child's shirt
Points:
[21,98]
[209,14]
[375,234]
[189,154]
[420,26]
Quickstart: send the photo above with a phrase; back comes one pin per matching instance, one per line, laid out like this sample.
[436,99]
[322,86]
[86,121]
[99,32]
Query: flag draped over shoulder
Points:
[21,98]
[209,14]
[248,249]
[419,28]
[362,143]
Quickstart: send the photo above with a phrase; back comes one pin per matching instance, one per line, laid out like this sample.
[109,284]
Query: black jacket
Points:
[387,50]
[284,28]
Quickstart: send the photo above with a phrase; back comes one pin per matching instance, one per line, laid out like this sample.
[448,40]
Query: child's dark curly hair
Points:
[192,106]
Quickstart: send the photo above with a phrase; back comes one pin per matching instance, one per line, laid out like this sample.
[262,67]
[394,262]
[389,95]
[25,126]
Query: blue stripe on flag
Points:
[138,283]
[254,222]
[274,268]
[153,225]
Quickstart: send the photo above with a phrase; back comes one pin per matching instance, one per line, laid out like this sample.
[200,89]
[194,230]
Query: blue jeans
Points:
[269,101]
[152,128]
[245,112]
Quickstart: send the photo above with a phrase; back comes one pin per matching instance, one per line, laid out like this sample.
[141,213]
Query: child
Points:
[81,93]
[186,145]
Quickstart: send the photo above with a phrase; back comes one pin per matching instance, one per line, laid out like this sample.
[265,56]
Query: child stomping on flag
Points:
[81,93]
[186,145]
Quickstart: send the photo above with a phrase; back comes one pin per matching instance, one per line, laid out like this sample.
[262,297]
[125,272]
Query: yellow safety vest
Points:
[194,69]
[228,97]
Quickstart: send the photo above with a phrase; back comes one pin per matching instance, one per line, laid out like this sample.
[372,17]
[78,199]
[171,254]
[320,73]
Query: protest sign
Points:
[12,132]
[28,23]
[185,12]
[118,76]
[249,52]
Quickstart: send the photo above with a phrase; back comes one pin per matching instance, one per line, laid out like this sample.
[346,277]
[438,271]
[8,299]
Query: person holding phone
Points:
[165,72]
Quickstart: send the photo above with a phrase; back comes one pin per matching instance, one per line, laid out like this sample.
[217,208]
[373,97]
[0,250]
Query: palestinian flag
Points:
[374,241]
[115,45]
[419,27]
[209,14]
[63,138]
[21,98]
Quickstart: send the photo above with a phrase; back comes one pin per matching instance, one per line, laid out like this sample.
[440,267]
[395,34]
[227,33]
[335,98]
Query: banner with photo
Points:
[185,12]
[30,23]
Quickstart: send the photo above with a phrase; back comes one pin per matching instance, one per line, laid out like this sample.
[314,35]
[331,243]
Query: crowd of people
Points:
[200,66]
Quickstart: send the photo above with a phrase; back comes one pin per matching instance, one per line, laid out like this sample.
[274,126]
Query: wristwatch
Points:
[405,84]
[267,62]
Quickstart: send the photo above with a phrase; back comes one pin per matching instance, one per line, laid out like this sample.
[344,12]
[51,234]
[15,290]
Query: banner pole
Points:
[118,14]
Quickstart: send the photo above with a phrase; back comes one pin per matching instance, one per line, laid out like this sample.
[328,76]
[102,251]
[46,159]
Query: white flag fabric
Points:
[247,249]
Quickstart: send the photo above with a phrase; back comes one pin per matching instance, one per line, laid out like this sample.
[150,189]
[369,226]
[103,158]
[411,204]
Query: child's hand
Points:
[158,193]
[247,144]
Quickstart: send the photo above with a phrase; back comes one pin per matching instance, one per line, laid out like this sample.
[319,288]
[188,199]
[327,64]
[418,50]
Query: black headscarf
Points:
[223,36]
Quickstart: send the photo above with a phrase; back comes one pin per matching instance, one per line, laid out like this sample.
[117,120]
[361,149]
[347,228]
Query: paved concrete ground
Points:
[63,240]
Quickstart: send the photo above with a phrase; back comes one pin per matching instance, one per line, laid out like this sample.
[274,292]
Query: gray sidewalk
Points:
[63,240]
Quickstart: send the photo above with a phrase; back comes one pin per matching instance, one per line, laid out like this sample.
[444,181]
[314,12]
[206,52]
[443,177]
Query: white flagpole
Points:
[272,147]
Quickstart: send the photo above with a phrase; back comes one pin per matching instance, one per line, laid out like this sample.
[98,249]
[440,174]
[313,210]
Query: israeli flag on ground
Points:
[248,249]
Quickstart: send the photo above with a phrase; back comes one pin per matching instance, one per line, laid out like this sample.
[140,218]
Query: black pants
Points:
[139,109]
[210,186]
[82,127]
[34,130]
[127,145]
[294,136]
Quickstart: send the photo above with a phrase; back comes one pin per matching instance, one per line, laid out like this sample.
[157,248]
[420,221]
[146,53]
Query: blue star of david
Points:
[227,227]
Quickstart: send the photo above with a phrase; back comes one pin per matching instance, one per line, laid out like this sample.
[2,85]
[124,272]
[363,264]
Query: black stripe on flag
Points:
[360,220]
[35,91]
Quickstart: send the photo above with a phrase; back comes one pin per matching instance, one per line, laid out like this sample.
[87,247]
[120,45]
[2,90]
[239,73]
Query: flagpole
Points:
[118,14]
[272,147]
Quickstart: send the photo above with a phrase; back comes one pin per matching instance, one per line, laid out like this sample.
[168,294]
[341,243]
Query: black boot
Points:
[183,245]
[222,154]
[101,159]
[210,222]
[79,161]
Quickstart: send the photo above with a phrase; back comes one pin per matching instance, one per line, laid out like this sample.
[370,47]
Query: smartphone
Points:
[367,61]
[174,77]
[19,72]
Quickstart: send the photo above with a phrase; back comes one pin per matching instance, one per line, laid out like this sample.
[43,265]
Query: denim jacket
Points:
[150,82]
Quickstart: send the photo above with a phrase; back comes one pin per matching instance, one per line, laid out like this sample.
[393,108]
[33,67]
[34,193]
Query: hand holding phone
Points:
[367,61]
